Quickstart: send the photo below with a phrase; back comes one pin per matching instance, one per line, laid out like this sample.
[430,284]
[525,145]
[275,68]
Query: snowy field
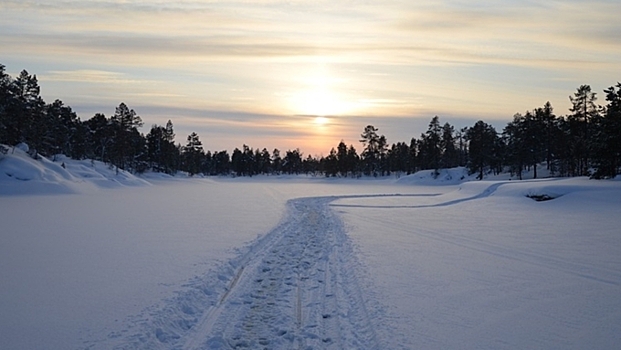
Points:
[92,259]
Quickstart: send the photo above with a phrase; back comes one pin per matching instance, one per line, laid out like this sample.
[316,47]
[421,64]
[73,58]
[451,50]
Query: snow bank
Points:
[444,177]
[21,174]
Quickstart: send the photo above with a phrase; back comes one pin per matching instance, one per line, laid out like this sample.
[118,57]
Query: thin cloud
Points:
[412,58]
[528,34]
[89,76]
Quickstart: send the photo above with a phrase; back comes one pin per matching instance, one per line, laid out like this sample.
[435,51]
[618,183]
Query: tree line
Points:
[586,142]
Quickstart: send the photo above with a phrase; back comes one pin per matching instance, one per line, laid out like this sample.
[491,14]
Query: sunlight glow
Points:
[319,94]
[321,121]
[319,102]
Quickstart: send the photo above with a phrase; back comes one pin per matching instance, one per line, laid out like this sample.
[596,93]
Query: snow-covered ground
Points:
[95,259]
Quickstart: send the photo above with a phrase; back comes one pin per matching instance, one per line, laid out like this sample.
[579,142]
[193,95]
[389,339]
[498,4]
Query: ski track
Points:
[296,288]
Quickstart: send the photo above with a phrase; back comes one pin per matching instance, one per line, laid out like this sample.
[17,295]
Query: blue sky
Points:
[258,72]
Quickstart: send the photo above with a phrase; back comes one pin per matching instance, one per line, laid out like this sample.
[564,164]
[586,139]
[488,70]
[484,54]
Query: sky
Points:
[308,74]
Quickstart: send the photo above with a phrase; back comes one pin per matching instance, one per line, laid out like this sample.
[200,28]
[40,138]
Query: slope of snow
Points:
[459,175]
[20,174]
[444,177]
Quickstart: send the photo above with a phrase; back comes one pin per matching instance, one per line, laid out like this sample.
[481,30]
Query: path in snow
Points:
[294,289]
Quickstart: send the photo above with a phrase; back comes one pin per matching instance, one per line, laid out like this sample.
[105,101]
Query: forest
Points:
[585,142]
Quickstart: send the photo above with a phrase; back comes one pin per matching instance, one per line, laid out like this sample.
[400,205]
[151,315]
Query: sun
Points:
[321,121]
[319,101]
[320,93]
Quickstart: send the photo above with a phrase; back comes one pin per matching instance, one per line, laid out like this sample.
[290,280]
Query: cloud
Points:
[548,35]
[416,58]
[89,76]
[425,33]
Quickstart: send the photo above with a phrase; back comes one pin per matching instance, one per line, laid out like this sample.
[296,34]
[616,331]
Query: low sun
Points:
[320,94]
[320,102]
[321,121]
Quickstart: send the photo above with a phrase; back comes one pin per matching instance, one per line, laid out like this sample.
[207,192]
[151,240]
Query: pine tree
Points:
[5,100]
[483,142]
[548,120]
[450,154]
[80,143]
[237,162]
[331,164]
[193,155]
[61,125]
[276,161]
[248,161]
[126,148]
[374,150]
[398,156]
[462,151]
[264,160]
[584,111]
[607,138]
[413,156]
[157,142]
[432,144]
[353,161]
[25,111]
[341,159]
[292,162]
[222,163]
[513,135]
[101,137]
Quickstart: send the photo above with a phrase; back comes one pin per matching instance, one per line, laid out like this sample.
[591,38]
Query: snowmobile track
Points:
[295,288]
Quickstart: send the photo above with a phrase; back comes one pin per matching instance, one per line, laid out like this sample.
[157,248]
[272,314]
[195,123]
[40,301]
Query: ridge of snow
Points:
[21,174]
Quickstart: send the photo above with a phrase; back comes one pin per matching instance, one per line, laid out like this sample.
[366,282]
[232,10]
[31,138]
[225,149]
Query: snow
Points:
[20,174]
[92,258]
[497,270]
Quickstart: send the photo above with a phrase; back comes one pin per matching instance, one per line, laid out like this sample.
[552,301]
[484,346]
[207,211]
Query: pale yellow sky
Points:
[257,72]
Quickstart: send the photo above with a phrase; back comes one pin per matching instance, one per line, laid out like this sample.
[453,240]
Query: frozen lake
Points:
[313,263]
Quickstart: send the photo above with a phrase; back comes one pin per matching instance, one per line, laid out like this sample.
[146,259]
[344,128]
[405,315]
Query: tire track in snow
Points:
[295,288]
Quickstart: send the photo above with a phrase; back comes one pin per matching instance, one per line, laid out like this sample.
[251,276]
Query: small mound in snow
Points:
[451,176]
[21,174]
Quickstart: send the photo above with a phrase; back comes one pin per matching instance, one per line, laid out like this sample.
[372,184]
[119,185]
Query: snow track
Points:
[295,288]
